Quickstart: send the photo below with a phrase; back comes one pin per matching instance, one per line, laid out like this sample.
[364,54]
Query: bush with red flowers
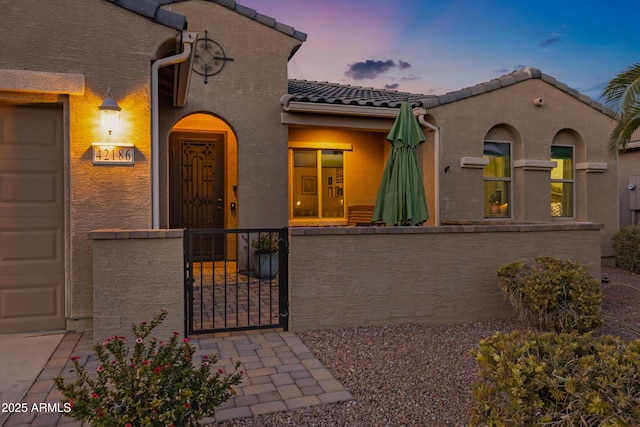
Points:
[155,385]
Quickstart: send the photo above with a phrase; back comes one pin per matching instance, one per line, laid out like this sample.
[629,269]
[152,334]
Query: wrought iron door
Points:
[197,187]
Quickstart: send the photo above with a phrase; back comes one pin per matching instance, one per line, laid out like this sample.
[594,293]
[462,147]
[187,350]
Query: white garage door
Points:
[31,219]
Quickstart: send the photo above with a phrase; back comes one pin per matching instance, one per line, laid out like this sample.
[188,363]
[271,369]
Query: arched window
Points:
[497,179]
[562,181]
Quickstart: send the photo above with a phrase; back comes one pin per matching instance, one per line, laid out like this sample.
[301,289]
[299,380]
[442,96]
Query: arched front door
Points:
[196,186]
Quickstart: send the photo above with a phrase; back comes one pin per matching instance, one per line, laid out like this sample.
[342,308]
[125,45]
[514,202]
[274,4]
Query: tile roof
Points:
[152,9]
[263,19]
[332,93]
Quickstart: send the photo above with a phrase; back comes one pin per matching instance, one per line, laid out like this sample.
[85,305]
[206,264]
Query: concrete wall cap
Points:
[450,226]
[114,234]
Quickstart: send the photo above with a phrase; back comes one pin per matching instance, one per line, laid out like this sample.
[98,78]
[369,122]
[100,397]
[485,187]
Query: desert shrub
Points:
[556,380]
[626,245]
[558,294]
[155,385]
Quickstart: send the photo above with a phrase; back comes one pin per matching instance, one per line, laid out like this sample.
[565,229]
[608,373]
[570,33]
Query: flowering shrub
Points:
[157,385]
[558,294]
[556,380]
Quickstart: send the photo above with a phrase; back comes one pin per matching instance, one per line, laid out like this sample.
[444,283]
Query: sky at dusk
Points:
[434,47]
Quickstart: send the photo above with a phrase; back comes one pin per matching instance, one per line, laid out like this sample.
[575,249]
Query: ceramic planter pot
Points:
[266,265]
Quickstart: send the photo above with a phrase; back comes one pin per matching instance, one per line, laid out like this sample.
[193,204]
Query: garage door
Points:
[31,219]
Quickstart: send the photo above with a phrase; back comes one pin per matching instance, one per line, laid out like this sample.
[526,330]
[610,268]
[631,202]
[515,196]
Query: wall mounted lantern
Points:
[111,152]
[109,112]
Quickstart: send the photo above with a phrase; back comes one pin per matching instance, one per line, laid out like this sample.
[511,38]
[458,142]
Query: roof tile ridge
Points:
[229,4]
[263,19]
[350,86]
[516,76]
[152,9]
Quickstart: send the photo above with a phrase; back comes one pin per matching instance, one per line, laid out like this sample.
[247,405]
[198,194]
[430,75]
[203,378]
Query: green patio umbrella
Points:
[401,199]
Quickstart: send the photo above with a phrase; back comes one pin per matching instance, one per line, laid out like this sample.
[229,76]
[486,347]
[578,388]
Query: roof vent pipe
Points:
[188,38]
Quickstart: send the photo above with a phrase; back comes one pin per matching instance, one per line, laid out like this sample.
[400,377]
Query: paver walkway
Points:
[280,373]
[226,298]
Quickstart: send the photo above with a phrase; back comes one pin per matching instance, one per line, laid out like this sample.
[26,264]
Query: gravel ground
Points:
[421,375]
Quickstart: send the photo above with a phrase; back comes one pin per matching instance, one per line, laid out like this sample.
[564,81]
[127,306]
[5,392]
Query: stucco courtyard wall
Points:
[137,273]
[356,276]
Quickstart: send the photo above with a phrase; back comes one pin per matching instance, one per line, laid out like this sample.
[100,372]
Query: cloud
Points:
[503,71]
[391,86]
[369,69]
[555,38]
[372,68]
[593,88]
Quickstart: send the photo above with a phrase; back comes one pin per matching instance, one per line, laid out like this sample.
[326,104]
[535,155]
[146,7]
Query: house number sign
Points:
[112,154]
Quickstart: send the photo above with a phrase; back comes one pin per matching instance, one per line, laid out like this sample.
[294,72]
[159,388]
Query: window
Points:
[562,179]
[497,179]
[318,184]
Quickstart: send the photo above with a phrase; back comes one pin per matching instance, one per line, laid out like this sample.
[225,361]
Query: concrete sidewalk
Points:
[22,358]
[280,373]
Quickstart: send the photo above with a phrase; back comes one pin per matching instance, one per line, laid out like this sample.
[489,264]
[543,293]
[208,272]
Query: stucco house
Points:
[91,216]
[513,168]
[473,132]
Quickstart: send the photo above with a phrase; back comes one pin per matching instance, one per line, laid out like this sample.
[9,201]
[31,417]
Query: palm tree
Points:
[622,97]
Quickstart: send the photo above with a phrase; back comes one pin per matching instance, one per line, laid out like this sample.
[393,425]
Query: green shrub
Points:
[626,245]
[558,294]
[156,385]
[556,380]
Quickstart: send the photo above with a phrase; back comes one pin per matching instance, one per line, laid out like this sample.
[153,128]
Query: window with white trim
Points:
[317,184]
[562,181]
[497,180]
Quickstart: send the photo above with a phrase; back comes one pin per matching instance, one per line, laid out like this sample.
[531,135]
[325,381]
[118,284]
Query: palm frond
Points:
[622,97]
[621,134]
[623,90]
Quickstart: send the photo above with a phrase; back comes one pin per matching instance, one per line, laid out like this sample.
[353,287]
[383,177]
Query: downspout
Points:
[188,37]
[436,160]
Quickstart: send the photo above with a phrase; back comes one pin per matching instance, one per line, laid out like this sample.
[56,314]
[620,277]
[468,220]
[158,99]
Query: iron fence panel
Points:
[246,289]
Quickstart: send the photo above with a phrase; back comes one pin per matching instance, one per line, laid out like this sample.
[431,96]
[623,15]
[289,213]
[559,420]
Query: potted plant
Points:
[494,204]
[266,254]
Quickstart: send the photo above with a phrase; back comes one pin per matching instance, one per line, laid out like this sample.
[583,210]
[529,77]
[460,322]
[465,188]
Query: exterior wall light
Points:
[111,152]
[110,113]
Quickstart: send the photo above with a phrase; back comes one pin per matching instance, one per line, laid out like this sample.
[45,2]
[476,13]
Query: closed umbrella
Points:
[401,199]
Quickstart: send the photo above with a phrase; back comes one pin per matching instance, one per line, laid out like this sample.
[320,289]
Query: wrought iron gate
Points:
[235,293]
